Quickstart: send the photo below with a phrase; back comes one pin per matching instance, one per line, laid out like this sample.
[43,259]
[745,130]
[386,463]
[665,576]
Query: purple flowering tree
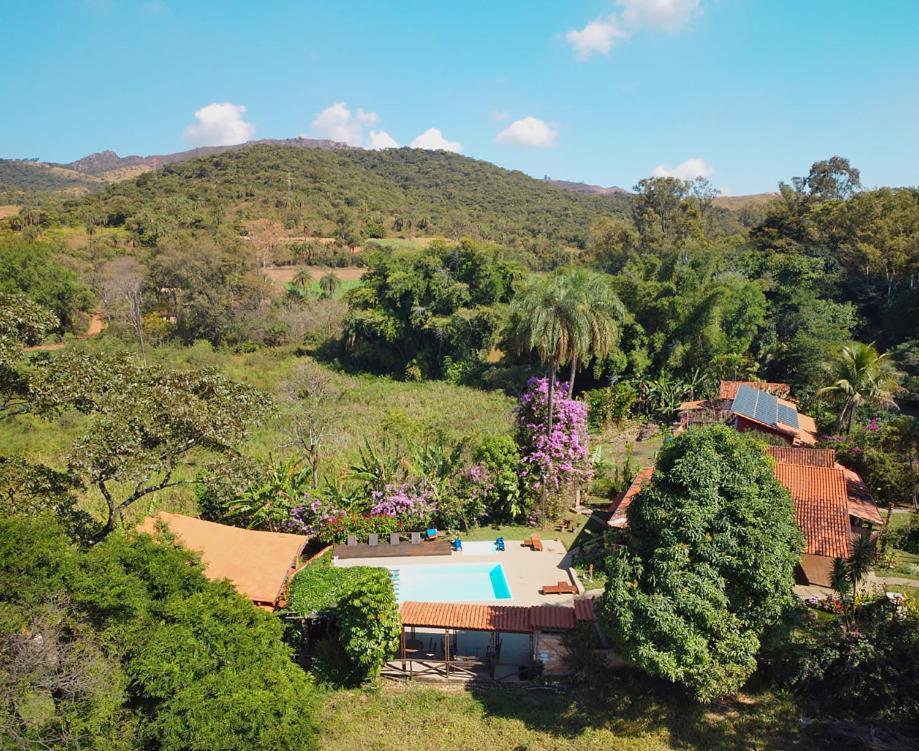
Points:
[553,462]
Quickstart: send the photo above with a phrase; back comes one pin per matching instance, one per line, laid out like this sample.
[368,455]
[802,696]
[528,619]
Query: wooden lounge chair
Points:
[562,588]
[373,539]
[352,540]
[416,538]
[394,538]
[536,543]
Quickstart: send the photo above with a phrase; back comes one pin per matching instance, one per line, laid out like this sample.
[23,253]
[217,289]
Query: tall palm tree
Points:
[544,319]
[859,374]
[593,299]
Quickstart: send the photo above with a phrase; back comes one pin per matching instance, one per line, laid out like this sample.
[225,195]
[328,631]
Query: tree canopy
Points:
[708,564]
[147,653]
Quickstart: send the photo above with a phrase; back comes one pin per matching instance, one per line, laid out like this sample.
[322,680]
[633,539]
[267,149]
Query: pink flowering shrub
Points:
[553,463]
[404,501]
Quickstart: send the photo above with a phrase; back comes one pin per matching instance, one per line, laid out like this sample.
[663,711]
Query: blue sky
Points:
[747,92]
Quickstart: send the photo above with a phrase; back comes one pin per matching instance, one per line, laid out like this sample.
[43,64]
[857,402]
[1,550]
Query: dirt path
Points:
[96,324]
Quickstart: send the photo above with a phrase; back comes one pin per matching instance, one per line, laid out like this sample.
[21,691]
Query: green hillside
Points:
[318,192]
[20,178]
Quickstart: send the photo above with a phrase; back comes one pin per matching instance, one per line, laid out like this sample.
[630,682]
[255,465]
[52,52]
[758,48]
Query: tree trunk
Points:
[571,375]
[551,404]
[884,534]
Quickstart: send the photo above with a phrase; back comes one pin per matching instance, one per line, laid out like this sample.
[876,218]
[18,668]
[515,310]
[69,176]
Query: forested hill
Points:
[20,177]
[404,191]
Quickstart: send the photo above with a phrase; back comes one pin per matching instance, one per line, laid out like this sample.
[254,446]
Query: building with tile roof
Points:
[256,563]
[831,505]
[753,407]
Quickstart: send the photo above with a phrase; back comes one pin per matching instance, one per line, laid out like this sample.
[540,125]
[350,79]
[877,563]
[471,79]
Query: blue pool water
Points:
[463,582]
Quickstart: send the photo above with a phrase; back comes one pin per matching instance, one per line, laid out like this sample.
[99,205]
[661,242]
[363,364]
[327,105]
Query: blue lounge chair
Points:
[432,533]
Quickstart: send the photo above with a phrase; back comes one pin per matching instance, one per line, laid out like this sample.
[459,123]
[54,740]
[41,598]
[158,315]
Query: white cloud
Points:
[598,36]
[603,33]
[434,140]
[688,170]
[219,125]
[528,131]
[380,139]
[658,15]
[499,115]
[337,123]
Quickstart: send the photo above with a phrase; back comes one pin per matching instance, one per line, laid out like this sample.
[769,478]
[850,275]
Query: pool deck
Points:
[526,571]
[402,550]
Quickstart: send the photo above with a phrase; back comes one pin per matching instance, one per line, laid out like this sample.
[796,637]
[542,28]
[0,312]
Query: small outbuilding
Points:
[257,563]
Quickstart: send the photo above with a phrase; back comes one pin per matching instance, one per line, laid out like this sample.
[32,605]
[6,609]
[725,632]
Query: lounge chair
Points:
[416,538]
[373,539]
[432,533]
[562,588]
[533,542]
[394,538]
[352,541]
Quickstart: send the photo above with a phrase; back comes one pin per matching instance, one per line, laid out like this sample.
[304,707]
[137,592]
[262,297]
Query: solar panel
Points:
[759,405]
[788,415]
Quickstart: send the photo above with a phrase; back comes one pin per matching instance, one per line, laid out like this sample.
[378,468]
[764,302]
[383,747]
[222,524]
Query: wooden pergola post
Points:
[446,654]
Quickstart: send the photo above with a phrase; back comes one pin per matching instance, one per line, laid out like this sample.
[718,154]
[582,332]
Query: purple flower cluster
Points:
[558,459]
[402,500]
[479,483]
[313,515]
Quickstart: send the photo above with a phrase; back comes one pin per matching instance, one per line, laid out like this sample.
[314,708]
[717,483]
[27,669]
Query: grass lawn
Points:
[622,715]
[521,531]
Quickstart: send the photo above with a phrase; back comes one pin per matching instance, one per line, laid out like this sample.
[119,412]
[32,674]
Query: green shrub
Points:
[361,604]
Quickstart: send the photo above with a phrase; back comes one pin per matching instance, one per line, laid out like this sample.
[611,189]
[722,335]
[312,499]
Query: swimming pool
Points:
[452,582]
[479,547]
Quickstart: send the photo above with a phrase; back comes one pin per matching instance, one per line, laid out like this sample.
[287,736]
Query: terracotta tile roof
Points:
[806,456]
[622,502]
[256,563]
[821,507]
[552,618]
[584,610]
[861,503]
[728,389]
[505,618]
[508,618]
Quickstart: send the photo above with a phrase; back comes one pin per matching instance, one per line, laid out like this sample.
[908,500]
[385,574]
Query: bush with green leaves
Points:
[871,670]
[609,404]
[709,564]
[136,649]
[500,456]
[361,604]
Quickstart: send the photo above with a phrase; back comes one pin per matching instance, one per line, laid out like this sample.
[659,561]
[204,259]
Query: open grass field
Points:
[371,407]
[622,716]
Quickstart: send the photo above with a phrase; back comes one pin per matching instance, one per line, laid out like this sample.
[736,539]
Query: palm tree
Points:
[849,572]
[329,284]
[543,319]
[302,279]
[859,374]
[592,298]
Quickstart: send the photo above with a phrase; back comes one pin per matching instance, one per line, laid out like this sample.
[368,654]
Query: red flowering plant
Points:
[553,461]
